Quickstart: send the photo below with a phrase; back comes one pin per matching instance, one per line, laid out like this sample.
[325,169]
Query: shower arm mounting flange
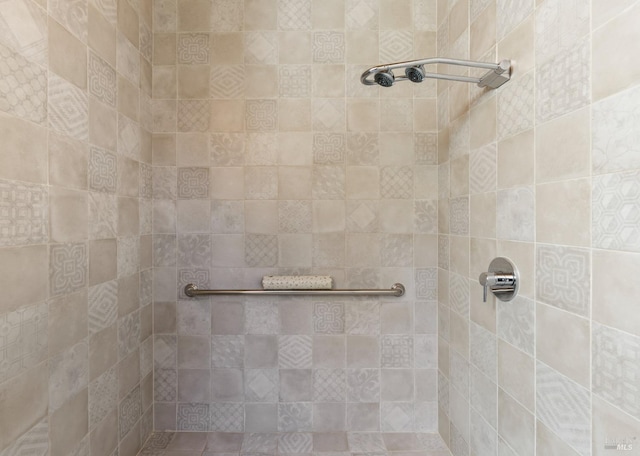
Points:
[498,74]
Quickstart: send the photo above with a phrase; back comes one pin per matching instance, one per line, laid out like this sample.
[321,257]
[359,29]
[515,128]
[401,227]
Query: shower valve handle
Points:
[501,280]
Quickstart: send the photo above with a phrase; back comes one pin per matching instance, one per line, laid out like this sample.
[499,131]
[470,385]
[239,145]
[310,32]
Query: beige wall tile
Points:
[483,123]
[20,266]
[67,321]
[563,147]
[609,424]
[260,15]
[23,150]
[227,115]
[193,15]
[193,81]
[128,22]
[102,261]
[563,212]
[23,402]
[483,32]
[69,424]
[610,47]
[227,48]
[395,14]
[67,55]
[562,342]
[613,295]
[458,19]
[518,46]
[104,438]
[516,160]
[103,125]
[515,424]
[128,97]
[548,443]
[67,162]
[69,212]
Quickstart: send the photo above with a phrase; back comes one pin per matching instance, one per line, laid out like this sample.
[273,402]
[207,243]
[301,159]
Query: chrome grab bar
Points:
[383,75]
[397,290]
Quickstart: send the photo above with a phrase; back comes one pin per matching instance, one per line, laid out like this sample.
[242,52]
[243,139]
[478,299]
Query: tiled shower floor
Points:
[316,444]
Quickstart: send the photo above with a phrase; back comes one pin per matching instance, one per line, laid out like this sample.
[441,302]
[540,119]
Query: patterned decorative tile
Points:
[559,25]
[396,250]
[328,114]
[165,349]
[227,417]
[227,351]
[261,149]
[261,385]
[366,442]
[34,442]
[194,250]
[73,14]
[165,182]
[515,106]
[362,216]
[294,14]
[227,81]
[294,217]
[425,216]
[193,115]
[397,351]
[261,182]
[396,182]
[362,14]
[127,59]
[616,368]
[483,351]
[261,318]
[510,13]
[329,148]
[294,80]
[193,183]
[295,352]
[261,115]
[146,181]
[146,41]
[565,407]
[194,48]
[130,411]
[103,306]
[425,16]
[261,250]
[165,384]
[328,182]
[515,214]
[128,334]
[328,47]
[516,323]
[459,216]
[362,318]
[615,217]
[363,385]
[260,443]
[103,216]
[261,47]
[23,339]
[397,417]
[200,277]
[128,137]
[103,396]
[23,28]
[24,213]
[227,217]
[295,443]
[328,318]
[615,132]
[482,167]
[227,149]
[102,80]
[295,416]
[128,255]
[164,250]
[563,278]
[329,385]
[459,294]
[396,45]
[226,16]
[67,268]
[158,441]
[555,95]
[427,284]
[193,417]
[362,149]
[426,148]
[68,109]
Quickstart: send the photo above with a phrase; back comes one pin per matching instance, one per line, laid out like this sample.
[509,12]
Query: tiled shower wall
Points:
[270,157]
[544,171]
[75,227]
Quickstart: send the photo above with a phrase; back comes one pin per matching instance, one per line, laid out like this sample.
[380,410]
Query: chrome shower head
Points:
[415,74]
[385,78]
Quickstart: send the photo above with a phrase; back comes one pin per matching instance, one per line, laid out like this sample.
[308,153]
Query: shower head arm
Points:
[494,78]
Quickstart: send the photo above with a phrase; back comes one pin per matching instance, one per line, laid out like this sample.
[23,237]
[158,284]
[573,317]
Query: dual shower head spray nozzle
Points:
[387,78]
